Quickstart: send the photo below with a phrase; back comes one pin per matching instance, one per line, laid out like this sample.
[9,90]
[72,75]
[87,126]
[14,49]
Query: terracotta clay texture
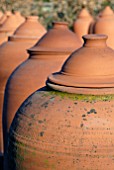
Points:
[4,17]
[19,17]
[83,24]
[105,24]
[8,27]
[31,24]
[13,53]
[1,14]
[46,56]
[60,130]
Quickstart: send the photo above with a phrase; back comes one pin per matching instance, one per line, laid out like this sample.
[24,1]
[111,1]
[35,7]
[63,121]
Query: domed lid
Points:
[10,24]
[90,69]
[84,13]
[107,12]
[30,28]
[58,39]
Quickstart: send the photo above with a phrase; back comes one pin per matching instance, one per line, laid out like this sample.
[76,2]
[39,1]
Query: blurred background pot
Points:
[83,23]
[8,27]
[105,25]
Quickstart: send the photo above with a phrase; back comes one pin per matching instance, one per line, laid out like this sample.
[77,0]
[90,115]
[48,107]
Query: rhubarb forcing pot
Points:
[70,123]
[83,24]
[13,53]
[105,25]
[46,57]
[8,27]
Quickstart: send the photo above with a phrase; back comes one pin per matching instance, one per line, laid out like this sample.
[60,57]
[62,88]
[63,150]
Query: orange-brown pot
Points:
[58,130]
[4,17]
[1,14]
[8,27]
[105,25]
[19,17]
[83,24]
[46,56]
[13,53]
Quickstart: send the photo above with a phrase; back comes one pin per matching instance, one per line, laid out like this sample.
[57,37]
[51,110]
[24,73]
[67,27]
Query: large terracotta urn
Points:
[8,27]
[105,24]
[70,123]
[46,57]
[13,53]
[83,23]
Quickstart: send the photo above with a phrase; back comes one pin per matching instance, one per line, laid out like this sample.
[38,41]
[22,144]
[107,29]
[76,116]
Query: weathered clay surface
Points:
[61,131]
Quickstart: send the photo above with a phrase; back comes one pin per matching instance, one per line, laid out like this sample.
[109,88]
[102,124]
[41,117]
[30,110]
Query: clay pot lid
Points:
[89,68]
[58,39]
[107,12]
[84,13]
[30,28]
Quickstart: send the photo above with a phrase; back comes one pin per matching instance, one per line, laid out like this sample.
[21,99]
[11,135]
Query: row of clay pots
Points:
[45,57]
[62,46]
[84,24]
[104,24]
[69,124]
[9,22]
[13,53]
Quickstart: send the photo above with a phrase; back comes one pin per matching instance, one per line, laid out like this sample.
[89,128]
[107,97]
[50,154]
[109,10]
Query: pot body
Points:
[30,76]
[56,130]
[11,55]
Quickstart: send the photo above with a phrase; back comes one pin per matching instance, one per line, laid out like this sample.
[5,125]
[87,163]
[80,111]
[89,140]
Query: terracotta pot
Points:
[4,17]
[105,24]
[83,24]
[72,129]
[31,23]
[1,14]
[3,34]
[13,53]
[8,27]
[46,56]
[19,17]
